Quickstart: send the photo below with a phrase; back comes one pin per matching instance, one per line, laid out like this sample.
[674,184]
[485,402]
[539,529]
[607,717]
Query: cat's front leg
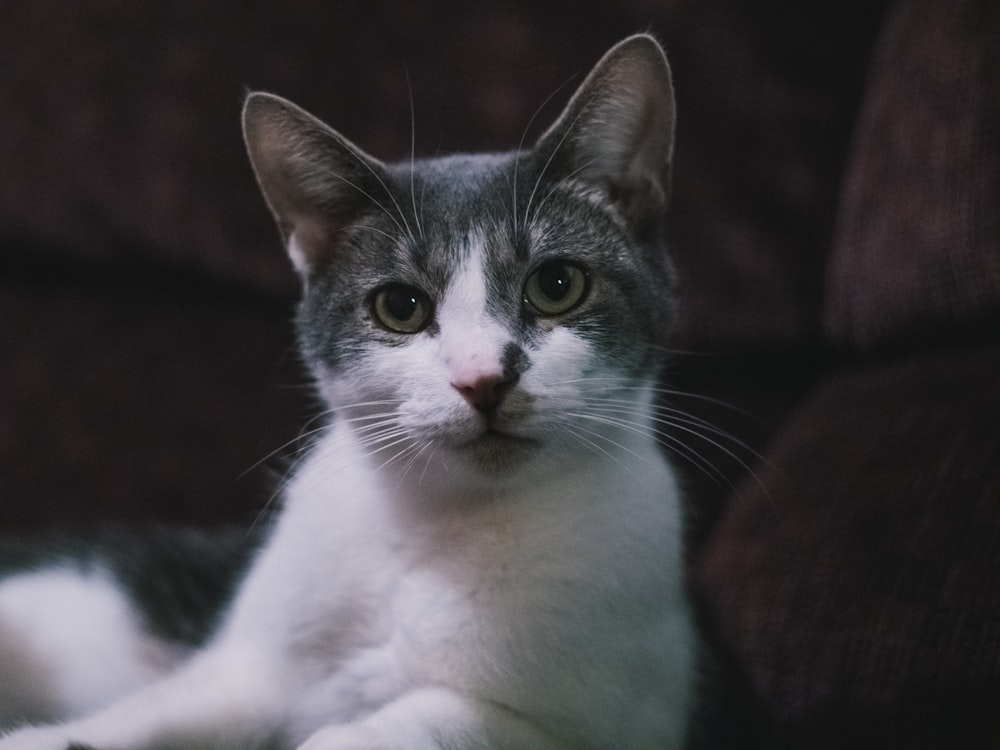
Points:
[36,738]
[435,719]
[220,701]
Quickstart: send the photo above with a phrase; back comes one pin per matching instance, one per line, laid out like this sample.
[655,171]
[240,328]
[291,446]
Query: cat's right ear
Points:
[617,132]
[314,180]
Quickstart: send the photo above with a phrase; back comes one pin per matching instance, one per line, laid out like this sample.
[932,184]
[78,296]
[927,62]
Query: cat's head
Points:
[480,312]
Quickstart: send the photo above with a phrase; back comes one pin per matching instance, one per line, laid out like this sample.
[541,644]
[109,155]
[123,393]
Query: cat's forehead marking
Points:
[472,338]
[466,294]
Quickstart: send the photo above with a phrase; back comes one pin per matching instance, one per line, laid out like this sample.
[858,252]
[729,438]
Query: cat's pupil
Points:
[554,280]
[401,303]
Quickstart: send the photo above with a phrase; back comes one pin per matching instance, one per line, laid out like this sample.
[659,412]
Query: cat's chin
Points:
[494,454]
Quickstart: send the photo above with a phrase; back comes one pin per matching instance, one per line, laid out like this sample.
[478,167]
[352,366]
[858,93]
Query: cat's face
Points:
[483,312]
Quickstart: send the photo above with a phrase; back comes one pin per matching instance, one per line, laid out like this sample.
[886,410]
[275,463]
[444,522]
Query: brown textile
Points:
[917,250]
[860,587]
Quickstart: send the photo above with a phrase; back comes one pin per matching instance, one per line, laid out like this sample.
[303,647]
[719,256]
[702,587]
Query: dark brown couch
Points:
[836,226]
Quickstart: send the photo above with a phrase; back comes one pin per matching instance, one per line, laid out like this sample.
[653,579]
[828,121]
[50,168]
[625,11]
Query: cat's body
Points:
[483,549]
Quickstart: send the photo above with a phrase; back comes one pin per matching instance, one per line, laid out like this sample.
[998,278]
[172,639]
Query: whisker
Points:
[548,162]
[681,419]
[412,460]
[664,391]
[404,228]
[351,227]
[669,415]
[590,443]
[413,155]
[611,408]
[671,442]
[392,197]
[395,456]
[687,427]
[430,458]
[388,432]
[607,439]
[363,404]
[564,181]
[520,147]
[304,434]
[626,384]
[686,424]
[541,175]
[364,419]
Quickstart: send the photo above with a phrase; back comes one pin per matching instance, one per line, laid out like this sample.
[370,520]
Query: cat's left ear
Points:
[617,131]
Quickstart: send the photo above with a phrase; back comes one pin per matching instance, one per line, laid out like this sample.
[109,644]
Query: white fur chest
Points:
[544,596]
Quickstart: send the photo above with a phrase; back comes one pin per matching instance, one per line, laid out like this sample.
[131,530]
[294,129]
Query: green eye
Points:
[555,287]
[401,308]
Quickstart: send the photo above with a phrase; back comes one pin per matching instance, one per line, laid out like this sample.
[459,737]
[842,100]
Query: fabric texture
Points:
[859,582]
[856,578]
[917,248]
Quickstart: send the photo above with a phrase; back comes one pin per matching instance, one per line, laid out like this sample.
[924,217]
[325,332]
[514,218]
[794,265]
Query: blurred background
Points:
[146,365]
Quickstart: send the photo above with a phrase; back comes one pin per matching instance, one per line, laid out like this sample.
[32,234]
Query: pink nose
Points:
[484,392]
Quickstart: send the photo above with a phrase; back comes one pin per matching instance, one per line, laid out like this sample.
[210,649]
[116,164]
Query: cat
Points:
[483,547]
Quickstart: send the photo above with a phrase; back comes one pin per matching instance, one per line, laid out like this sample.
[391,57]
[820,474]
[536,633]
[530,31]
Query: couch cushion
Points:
[767,96]
[917,247]
[861,591]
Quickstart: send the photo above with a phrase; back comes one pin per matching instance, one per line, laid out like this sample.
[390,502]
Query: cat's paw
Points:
[39,738]
[351,737]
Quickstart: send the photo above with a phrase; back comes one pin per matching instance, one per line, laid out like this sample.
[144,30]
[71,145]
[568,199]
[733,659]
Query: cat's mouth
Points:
[494,451]
[492,435]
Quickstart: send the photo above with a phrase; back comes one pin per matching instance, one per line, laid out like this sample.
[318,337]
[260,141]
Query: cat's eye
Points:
[556,287]
[402,308]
